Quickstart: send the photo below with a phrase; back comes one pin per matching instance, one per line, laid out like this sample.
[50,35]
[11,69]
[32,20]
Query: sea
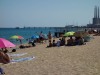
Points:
[26,32]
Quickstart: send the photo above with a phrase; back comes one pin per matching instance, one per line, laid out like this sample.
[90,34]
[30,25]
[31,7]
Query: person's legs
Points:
[1,71]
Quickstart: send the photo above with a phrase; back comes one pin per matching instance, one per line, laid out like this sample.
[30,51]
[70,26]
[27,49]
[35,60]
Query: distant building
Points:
[96,19]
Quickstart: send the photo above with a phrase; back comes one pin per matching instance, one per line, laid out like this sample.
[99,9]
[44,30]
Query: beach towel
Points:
[21,54]
[22,59]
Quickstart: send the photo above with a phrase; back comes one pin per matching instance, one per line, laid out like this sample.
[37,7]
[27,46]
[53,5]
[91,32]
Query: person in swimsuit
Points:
[4,58]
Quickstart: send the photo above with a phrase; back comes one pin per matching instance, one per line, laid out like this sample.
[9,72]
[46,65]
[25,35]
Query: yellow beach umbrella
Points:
[67,34]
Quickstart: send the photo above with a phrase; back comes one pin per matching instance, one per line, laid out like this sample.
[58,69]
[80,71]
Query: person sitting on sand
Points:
[21,46]
[33,44]
[4,49]
[62,41]
[4,58]
[41,37]
[76,40]
[81,41]
[70,42]
[58,43]
[50,44]
[53,43]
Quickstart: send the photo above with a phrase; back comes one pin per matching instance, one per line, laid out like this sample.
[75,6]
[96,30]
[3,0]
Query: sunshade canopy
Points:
[5,43]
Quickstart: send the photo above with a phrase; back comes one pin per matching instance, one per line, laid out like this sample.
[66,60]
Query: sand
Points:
[74,60]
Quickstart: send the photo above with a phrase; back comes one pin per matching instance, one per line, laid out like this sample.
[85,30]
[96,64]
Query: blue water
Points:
[25,32]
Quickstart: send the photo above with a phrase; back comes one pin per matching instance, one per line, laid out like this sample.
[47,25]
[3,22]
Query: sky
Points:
[46,13]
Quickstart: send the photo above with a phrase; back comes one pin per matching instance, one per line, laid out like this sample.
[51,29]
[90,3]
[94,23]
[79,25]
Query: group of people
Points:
[70,42]
[43,37]
[31,44]
[60,42]
[32,41]
[76,41]
[4,58]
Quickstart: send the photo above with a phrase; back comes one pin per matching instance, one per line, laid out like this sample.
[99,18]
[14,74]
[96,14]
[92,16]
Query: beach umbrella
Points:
[34,37]
[16,37]
[67,34]
[5,43]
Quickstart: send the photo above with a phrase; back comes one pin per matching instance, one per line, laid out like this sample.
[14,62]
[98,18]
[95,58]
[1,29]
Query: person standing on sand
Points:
[41,37]
[20,41]
[49,36]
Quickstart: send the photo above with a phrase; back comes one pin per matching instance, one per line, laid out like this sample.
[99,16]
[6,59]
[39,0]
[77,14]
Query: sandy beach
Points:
[74,60]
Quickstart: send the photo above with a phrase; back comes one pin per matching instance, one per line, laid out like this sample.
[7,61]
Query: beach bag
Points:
[14,50]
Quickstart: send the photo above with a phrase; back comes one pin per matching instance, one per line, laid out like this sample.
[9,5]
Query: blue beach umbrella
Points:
[34,37]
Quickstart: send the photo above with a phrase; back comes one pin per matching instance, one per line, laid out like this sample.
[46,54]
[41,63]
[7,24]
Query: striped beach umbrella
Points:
[16,37]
